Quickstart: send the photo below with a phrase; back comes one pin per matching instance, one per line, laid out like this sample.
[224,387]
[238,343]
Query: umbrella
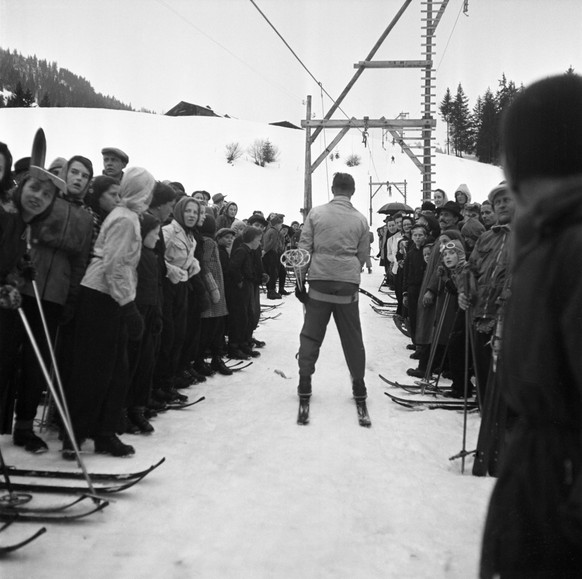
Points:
[394,207]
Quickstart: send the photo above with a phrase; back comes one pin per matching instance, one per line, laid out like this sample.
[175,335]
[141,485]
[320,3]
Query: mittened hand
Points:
[265,278]
[10,297]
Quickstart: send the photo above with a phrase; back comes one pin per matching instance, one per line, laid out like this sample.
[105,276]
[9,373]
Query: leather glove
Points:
[301,294]
[157,324]
[133,321]
[265,278]
[10,297]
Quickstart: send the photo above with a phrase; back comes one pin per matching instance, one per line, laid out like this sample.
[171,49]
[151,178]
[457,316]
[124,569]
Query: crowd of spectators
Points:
[144,289]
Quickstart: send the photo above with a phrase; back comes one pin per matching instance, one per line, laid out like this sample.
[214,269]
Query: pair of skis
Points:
[436,402]
[361,407]
[103,483]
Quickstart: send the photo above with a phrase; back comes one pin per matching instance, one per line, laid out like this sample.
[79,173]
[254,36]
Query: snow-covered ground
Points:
[247,493]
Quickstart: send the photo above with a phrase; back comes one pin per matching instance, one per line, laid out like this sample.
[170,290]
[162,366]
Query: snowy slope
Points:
[192,150]
[246,493]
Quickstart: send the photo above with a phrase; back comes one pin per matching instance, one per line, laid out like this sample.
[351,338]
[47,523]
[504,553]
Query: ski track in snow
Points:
[247,493]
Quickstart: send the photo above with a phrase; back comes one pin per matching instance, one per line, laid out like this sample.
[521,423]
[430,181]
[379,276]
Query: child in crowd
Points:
[212,318]
[241,280]
[141,353]
[454,261]
[413,272]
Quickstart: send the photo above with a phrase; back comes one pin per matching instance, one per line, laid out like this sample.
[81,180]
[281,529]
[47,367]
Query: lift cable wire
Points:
[297,57]
[250,67]
[461,10]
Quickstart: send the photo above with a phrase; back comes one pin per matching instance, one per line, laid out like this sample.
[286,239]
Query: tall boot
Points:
[304,388]
[359,389]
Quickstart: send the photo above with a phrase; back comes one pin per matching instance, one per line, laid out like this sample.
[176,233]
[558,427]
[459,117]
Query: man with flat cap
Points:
[114,161]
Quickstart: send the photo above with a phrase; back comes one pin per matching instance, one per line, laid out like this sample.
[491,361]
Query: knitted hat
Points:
[462,188]
[57,165]
[541,133]
[147,223]
[224,231]
[116,153]
[457,246]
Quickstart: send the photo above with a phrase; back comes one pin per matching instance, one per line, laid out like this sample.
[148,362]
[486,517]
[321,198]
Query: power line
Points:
[207,36]
[296,56]
[462,9]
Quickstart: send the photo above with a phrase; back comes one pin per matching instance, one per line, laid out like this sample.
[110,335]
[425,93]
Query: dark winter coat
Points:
[413,269]
[148,279]
[60,249]
[489,264]
[534,523]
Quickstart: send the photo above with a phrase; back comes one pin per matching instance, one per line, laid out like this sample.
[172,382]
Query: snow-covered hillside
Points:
[192,150]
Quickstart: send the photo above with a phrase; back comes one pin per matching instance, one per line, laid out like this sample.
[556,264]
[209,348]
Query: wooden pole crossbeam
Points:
[393,64]
[389,124]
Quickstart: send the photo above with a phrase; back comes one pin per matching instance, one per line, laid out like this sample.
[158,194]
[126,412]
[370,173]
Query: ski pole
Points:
[480,400]
[61,391]
[466,390]
[67,424]
[434,343]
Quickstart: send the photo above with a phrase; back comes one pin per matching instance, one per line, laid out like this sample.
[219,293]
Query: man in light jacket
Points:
[336,235]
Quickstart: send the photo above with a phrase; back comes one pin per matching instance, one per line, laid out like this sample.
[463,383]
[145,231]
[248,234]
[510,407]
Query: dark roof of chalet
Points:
[286,125]
[184,109]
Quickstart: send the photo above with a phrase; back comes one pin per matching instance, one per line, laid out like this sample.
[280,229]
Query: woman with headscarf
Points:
[181,265]
[107,317]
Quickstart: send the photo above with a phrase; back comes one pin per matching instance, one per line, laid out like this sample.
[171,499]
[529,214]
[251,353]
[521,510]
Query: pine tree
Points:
[461,124]
[446,110]
[487,132]
[17,99]
[45,101]
[506,94]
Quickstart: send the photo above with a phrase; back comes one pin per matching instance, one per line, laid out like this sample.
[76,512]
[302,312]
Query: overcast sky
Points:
[222,53]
